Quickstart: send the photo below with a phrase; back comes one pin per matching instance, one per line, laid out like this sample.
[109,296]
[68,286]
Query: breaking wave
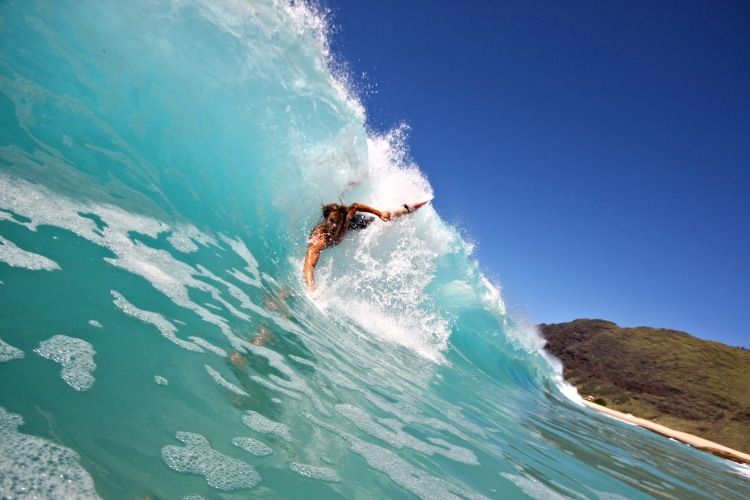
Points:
[161,166]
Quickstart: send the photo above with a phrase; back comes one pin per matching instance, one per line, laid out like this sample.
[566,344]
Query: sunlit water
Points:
[162,164]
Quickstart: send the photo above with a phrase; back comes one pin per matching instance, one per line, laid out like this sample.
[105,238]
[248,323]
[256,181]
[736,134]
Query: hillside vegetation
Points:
[671,377]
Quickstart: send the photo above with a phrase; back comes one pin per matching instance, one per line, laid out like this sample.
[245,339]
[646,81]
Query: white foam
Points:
[32,467]
[269,279]
[160,380]
[245,303]
[16,257]
[302,21]
[493,300]
[606,495]
[198,457]
[9,217]
[240,276]
[167,274]
[525,333]
[238,294]
[166,328]
[411,331]
[320,473]
[183,236]
[742,470]
[399,470]
[295,383]
[400,439]
[270,385]
[209,346]
[252,446]
[574,493]
[224,383]
[95,323]
[340,380]
[302,361]
[75,355]
[566,388]
[262,425]
[252,265]
[534,488]
[8,352]
[380,283]
[411,414]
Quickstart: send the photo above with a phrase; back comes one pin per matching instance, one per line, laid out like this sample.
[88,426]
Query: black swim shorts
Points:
[360,221]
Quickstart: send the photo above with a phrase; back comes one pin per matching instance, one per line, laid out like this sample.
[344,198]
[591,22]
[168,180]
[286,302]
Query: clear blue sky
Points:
[598,153]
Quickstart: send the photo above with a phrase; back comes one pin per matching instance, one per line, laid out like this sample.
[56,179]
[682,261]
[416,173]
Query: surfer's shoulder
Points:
[318,235]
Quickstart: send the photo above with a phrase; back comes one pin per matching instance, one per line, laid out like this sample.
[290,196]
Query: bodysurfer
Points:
[337,220]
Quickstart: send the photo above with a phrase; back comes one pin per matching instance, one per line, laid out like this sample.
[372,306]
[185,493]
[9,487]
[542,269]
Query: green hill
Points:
[680,381]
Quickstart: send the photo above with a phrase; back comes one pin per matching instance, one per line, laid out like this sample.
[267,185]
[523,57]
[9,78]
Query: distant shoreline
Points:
[694,441]
[693,385]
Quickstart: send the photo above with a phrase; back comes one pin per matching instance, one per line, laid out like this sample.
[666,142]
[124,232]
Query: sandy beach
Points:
[694,441]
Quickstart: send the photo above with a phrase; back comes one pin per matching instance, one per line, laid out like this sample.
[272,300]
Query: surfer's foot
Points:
[264,336]
[277,303]
[271,304]
[237,360]
[286,293]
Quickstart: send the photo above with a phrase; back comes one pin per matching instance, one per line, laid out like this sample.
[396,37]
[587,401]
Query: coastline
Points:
[690,439]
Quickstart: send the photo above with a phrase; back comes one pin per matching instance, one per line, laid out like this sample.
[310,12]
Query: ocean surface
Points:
[161,166]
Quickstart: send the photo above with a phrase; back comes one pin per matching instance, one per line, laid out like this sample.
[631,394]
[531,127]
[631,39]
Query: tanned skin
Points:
[332,231]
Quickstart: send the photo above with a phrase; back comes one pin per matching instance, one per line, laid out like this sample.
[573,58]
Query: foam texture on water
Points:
[75,355]
[8,352]
[166,161]
[198,457]
[17,257]
[35,468]
[262,425]
[252,446]
[319,473]
[167,329]
[224,383]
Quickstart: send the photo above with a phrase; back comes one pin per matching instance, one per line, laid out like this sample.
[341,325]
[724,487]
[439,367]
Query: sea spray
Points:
[161,166]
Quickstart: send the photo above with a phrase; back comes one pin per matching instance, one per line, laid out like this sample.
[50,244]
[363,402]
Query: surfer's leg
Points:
[237,360]
[264,337]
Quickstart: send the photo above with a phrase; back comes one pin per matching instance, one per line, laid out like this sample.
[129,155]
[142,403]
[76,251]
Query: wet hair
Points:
[334,207]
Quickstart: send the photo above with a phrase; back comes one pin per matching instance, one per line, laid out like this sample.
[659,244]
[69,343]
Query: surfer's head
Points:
[334,216]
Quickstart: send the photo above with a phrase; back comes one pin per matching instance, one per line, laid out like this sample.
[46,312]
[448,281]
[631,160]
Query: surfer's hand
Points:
[385,216]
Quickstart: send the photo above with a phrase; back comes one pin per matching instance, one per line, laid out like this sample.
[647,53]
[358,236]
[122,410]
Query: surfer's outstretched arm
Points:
[317,243]
[384,216]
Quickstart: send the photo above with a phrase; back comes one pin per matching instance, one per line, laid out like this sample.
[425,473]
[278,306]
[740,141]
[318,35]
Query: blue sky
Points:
[598,153]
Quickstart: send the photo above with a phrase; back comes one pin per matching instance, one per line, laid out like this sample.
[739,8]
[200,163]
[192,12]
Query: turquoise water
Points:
[161,165]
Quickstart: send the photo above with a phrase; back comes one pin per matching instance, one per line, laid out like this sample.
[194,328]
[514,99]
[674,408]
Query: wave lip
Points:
[170,158]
